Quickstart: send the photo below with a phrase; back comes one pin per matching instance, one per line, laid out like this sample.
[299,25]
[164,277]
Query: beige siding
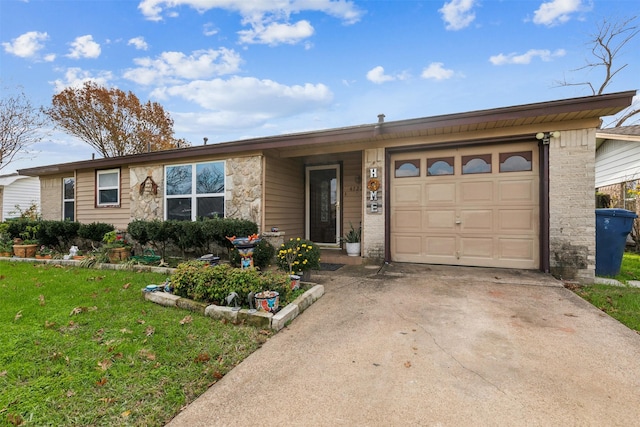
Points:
[86,210]
[284,196]
[352,184]
[51,197]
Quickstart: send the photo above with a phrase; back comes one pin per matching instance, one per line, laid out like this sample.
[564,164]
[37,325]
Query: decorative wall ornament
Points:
[149,183]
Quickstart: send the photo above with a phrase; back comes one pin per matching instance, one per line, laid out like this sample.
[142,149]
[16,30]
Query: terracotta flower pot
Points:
[119,254]
[25,251]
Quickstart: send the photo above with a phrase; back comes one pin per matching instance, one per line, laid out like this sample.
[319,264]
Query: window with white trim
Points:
[194,191]
[108,187]
[68,198]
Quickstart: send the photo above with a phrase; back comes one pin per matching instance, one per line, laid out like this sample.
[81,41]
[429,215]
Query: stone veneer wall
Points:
[243,190]
[146,203]
[572,205]
[373,223]
[243,196]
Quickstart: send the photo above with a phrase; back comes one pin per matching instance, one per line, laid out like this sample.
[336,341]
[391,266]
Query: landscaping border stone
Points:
[259,319]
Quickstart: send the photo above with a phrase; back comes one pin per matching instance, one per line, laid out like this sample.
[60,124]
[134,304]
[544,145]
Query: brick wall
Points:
[572,205]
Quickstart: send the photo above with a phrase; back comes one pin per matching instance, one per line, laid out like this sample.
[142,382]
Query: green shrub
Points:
[94,231]
[263,255]
[137,229]
[198,281]
[58,234]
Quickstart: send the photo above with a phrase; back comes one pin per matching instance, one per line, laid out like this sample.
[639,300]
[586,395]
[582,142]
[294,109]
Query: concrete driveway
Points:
[435,346]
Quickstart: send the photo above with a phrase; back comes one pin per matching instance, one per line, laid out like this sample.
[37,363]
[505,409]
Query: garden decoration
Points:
[267,301]
[245,247]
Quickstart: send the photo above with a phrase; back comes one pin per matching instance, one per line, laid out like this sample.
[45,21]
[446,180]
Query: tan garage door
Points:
[469,206]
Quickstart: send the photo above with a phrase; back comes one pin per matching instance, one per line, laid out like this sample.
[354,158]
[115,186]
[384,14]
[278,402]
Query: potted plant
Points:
[352,241]
[117,247]
[298,257]
[44,253]
[6,247]
[26,245]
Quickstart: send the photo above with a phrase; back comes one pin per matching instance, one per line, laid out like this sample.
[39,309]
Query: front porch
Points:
[338,256]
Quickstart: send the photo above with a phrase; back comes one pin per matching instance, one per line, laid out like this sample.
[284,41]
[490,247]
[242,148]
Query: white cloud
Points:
[436,71]
[377,75]
[84,47]
[209,29]
[458,14]
[275,33]
[259,99]
[28,45]
[76,77]
[139,43]
[544,54]
[268,19]
[174,67]
[556,12]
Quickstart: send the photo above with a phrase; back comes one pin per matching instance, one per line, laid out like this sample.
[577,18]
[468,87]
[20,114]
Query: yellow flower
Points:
[298,239]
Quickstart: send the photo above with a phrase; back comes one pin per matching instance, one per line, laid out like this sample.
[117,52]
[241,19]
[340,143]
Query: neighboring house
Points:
[18,193]
[507,187]
[618,165]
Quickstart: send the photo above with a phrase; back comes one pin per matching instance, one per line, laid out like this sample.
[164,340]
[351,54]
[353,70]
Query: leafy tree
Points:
[606,47]
[20,126]
[113,122]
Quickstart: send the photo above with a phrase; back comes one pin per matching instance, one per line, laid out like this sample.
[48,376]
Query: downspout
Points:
[544,206]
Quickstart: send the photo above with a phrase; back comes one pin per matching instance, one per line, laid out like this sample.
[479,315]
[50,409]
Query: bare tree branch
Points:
[21,125]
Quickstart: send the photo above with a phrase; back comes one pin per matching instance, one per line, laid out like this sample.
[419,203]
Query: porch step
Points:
[338,256]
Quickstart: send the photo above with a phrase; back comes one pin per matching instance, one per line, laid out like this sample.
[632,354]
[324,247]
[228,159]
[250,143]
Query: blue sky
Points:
[235,69]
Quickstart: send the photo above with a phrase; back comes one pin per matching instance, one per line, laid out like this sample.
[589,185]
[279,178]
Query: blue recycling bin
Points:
[612,228]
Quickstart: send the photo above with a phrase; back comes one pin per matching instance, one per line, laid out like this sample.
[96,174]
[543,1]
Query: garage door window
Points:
[515,162]
[407,168]
[440,166]
[476,164]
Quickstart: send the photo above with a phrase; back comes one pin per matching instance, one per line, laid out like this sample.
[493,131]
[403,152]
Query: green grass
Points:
[83,347]
[620,302]
[630,268]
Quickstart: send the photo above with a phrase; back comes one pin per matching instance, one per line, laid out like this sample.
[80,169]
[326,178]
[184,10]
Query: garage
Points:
[471,205]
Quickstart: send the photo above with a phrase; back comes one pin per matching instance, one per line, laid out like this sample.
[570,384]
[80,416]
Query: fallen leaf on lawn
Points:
[265,332]
[218,375]
[48,324]
[15,419]
[1,276]
[126,414]
[3,374]
[107,400]
[70,393]
[102,381]
[149,331]
[147,354]
[125,331]
[407,364]
[186,319]
[78,310]
[18,315]
[126,286]
[202,357]
[105,364]
[142,322]
[41,298]
[38,285]
[106,290]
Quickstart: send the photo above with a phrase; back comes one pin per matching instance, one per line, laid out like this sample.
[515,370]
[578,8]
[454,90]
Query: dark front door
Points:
[323,204]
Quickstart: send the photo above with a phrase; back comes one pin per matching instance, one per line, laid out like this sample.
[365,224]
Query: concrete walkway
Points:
[435,346]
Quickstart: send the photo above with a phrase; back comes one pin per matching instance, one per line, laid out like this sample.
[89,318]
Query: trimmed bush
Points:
[198,281]
[94,231]
[58,234]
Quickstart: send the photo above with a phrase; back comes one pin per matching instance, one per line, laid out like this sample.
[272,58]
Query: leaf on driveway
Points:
[18,315]
[186,319]
[407,364]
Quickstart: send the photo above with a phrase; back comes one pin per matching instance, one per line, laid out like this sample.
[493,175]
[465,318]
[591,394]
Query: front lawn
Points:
[620,302]
[82,347]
